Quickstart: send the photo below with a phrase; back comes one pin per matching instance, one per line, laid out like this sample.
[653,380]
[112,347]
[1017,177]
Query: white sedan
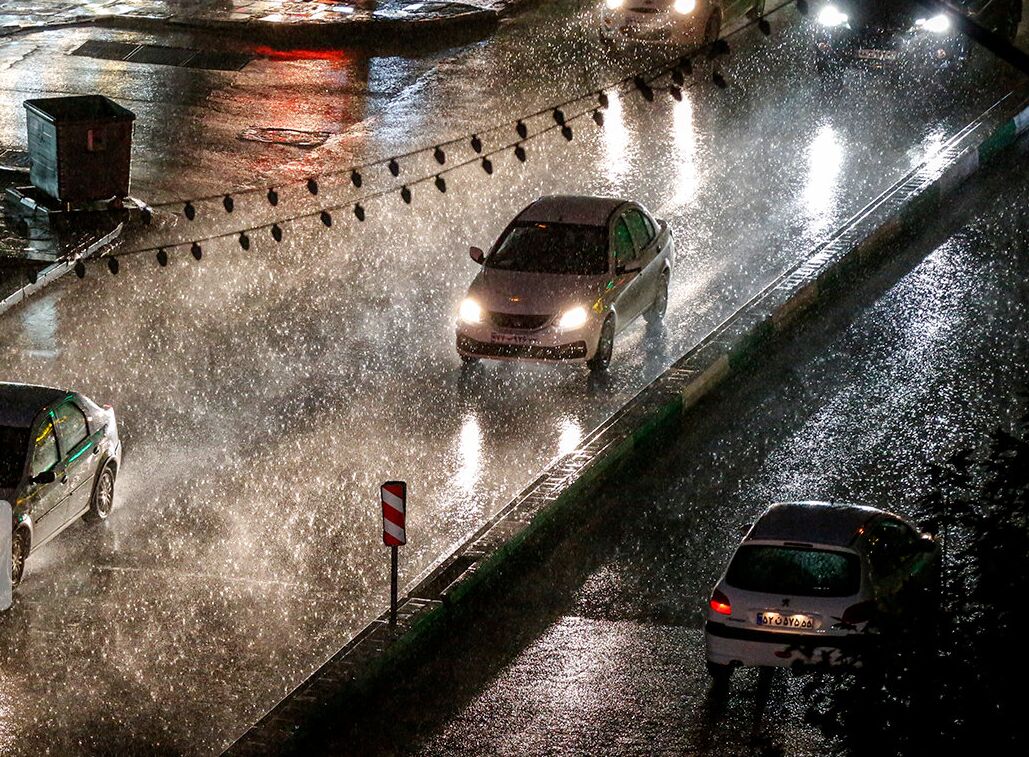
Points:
[563,279]
[808,583]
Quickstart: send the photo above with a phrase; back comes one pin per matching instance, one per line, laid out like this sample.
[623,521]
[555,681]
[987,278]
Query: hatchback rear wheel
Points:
[720,673]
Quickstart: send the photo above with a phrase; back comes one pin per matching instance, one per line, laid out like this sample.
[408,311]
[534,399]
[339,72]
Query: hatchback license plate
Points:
[867,54]
[778,620]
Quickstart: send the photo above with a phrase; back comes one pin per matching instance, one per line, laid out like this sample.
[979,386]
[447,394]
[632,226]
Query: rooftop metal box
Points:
[80,147]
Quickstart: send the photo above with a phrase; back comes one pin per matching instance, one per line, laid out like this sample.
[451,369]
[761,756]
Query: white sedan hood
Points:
[534,293]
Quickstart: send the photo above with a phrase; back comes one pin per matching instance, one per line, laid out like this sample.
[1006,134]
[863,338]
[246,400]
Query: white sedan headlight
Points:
[573,319]
[470,311]
[685,7]
[830,15]
[614,5]
[937,24]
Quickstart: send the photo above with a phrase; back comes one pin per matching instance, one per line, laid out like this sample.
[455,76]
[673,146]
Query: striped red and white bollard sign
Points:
[394,510]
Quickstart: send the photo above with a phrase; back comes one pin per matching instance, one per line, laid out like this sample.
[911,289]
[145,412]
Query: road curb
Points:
[537,518]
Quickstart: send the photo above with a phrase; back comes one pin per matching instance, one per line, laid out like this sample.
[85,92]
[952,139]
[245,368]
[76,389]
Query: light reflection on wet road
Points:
[263,396]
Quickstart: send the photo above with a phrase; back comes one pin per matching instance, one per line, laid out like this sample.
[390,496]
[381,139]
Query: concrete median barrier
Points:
[542,513]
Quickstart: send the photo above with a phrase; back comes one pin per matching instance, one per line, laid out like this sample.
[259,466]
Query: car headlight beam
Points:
[573,319]
[831,16]
[613,5]
[470,312]
[684,7]
[938,24]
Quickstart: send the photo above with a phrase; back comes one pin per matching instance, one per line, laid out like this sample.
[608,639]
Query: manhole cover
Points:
[278,136]
[183,57]
[160,55]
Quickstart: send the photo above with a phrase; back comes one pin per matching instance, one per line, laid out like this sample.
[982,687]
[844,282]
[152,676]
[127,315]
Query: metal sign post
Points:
[6,529]
[394,533]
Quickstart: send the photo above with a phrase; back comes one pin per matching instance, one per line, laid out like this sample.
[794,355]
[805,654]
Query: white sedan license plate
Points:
[512,339]
[779,620]
[877,54]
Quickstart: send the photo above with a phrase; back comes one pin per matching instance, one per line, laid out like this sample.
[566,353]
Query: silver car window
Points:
[625,250]
[71,426]
[641,234]
[44,450]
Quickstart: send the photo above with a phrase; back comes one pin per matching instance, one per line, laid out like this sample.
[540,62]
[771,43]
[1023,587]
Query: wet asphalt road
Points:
[599,650]
[263,396]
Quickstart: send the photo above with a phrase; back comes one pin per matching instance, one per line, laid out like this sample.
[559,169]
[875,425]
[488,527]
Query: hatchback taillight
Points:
[720,603]
[862,612]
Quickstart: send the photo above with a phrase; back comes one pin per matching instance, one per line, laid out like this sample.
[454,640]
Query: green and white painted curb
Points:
[540,515]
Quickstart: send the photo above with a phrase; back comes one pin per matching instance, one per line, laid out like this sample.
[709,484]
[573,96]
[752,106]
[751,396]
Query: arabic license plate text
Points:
[778,620]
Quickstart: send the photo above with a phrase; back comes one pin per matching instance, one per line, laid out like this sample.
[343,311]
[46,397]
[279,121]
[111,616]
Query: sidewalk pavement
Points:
[330,18]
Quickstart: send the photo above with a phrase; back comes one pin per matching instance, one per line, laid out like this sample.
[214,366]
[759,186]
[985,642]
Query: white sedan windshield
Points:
[559,248]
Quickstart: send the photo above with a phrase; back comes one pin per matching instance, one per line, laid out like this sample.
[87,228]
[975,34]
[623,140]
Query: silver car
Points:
[59,458]
[563,279]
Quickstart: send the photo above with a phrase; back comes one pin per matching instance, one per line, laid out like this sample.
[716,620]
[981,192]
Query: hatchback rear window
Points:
[14,443]
[793,570]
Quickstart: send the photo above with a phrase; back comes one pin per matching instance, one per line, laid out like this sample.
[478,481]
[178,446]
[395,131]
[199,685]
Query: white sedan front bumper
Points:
[546,344]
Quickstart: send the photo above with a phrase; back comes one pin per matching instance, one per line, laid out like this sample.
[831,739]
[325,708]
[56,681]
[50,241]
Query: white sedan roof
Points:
[577,209]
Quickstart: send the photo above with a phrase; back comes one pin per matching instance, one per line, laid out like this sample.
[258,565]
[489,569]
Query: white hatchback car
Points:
[807,582]
[563,279]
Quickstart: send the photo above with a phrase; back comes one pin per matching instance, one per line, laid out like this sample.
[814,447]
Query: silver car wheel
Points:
[103,496]
[605,346]
[655,314]
[19,548]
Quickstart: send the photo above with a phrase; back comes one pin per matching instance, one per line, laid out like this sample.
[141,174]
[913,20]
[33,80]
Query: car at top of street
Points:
[877,34]
[59,458]
[679,22]
[565,276]
[809,583]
